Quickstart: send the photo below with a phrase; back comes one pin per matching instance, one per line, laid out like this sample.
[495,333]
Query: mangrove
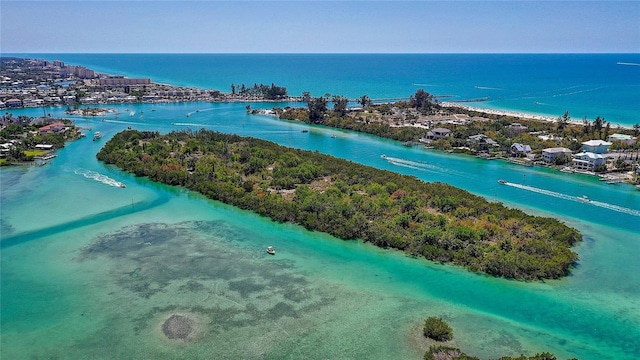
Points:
[351,201]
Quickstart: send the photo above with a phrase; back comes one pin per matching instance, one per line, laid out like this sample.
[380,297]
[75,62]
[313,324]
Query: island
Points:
[435,221]
[422,119]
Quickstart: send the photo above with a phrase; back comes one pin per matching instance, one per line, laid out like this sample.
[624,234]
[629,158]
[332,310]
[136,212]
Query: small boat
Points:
[383,156]
[584,199]
[122,185]
[97,135]
[271,250]
[333,136]
[305,131]
[132,113]
[502,181]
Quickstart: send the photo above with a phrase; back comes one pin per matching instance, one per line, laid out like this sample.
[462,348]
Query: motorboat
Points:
[584,199]
[502,181]
[383,156]
[271,250]
[97,135]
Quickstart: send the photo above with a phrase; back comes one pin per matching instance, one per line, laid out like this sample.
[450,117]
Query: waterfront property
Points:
[550,155]
[518,149]
[438,133]
[587,161]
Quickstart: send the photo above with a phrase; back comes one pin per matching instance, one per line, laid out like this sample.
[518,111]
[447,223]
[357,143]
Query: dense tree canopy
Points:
[351,201]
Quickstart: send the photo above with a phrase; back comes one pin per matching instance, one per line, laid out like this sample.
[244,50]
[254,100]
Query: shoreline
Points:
[515,113]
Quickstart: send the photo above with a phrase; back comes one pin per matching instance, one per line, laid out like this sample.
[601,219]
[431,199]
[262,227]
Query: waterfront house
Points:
[52,128]
[518,149]
[438,133]
[549,155]
[482,142]
[596,146]
[13,103]
[625,139]
[587,161]
[44,147]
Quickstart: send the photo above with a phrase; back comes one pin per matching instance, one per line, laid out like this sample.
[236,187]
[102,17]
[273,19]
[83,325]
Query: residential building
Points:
[596,146]
[13,103]
[587,161]
[518,149]
[625,139]
[482,140]
[438,133]
[53,128]
[549,155]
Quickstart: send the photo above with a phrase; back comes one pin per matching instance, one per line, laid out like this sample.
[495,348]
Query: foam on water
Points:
[94,175]
[581,199]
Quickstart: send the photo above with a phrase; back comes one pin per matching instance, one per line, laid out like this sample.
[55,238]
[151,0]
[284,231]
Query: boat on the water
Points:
[97,135]
[584,199]
[122,185]
[305,131]
[383,156]
[271,250]
[502,181]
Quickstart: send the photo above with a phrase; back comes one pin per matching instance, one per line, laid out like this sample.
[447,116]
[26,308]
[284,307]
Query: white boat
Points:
[97,135]
[271,250]
[132,113]
[383,156]
[502,181]
[584,199]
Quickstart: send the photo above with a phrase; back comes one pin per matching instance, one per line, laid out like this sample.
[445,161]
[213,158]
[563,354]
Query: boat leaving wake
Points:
[99,177]
[416,165]
[583,200]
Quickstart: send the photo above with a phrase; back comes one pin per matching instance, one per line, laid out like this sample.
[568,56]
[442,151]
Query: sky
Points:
[137,26]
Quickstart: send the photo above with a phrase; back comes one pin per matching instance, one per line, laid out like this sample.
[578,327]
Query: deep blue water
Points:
[605,85]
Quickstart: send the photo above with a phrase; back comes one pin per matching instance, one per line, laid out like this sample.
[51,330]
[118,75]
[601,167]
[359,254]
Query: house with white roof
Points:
[625,139]
[549,155]
[587,161]
[596,146]
[518,149]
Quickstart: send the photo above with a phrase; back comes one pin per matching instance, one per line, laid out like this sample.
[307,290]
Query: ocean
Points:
[586,85]
[92,270]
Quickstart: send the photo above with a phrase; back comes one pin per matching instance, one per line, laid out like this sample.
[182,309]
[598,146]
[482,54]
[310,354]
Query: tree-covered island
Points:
[351,201]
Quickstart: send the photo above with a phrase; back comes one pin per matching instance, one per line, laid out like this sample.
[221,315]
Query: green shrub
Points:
[437,329]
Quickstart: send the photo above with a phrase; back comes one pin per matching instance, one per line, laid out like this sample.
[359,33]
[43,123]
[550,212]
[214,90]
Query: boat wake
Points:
[628,64]
[99,177]
[189,124]
[417,165]
[123,122]
[487,88]
[583,199]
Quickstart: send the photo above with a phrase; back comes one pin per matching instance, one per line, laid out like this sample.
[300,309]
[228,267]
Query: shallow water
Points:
[93,270]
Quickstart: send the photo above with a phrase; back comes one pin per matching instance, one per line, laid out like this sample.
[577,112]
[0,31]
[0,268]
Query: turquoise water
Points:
[605,85]
[91,270]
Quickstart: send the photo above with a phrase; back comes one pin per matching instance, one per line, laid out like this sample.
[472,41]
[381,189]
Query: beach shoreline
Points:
[515,113]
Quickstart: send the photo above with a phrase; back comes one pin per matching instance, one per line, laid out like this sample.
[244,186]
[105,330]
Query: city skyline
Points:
[320,27]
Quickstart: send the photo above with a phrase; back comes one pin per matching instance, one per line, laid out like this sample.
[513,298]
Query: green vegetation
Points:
[437,329]
[23,134]
[391,121]
[272,92]
[351,201]
[440,352]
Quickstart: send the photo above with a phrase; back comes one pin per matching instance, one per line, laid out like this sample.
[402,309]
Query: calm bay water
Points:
[91,270]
